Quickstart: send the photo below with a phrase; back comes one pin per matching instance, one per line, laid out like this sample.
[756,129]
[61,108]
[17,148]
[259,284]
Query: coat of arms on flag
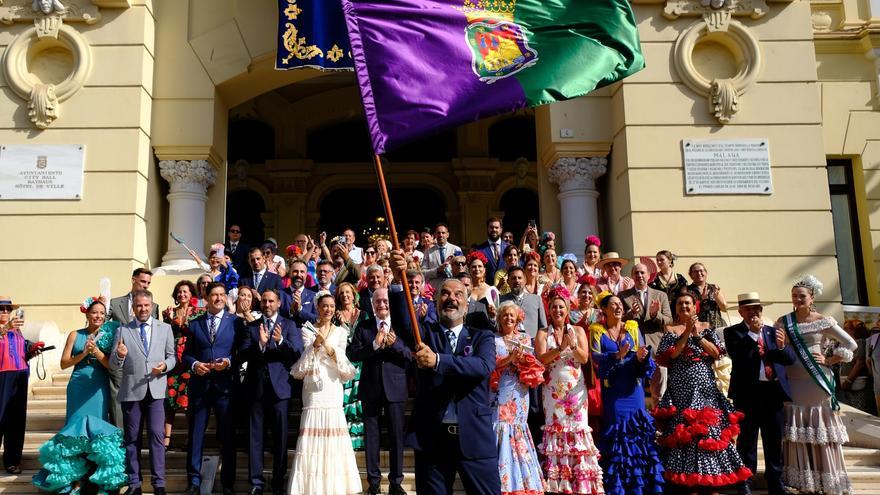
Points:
[499,45]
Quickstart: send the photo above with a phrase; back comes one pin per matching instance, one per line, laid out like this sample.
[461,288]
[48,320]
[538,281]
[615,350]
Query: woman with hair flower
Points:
[548,241]
[568,269]
[697,423]
[87,451]
[813,432]
[571,459]
[179,317]
[511,258]
[583,312]
[476,263]
[516,371]
[591,257]
[630,462]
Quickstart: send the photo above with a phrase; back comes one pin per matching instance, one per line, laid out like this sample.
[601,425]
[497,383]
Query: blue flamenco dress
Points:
[87,446]
[630,460]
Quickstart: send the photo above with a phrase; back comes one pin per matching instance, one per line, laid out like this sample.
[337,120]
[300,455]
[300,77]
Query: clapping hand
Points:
[390,339]
[636,309]
[654,308]
[623,350]
[90,346]
[264,335]
[425,357]
[423,310]
[819,358]
[642,353]
[121,350]
[276,333]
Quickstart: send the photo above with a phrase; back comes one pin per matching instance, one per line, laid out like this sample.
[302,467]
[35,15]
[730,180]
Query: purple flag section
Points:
[421,68]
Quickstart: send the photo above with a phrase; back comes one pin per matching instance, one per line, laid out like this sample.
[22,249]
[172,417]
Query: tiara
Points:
[811,283]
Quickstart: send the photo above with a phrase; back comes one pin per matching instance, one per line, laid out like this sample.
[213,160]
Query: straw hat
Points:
[611,257]
[749,299]
[7,301]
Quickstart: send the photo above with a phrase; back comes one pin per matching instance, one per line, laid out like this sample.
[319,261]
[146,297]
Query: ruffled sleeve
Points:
[712,336]
[107,336]
[307,365]
[346,370]
[664,350]
[846,344]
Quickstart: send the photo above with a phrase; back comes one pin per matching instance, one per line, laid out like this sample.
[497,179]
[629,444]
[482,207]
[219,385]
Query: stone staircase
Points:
[46,411]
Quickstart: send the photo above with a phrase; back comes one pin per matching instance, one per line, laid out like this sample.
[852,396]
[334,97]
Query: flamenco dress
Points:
[351,405]
[630,460]
[88,448]
[517,459]
[571,459]
[698,424]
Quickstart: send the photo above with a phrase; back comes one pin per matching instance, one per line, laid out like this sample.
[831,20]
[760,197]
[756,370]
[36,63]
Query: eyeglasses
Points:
[235,232]
[5,309]
[461,263]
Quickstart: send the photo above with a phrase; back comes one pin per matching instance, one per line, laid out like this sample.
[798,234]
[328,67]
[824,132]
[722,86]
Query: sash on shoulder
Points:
[806,358]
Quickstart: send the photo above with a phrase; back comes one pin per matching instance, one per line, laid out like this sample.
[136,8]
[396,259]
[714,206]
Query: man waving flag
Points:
[427,65]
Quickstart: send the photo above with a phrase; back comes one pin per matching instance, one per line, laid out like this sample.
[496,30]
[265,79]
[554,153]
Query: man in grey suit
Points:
[144,352]
[121,311]
[650,308]
[531,304]
[435,266]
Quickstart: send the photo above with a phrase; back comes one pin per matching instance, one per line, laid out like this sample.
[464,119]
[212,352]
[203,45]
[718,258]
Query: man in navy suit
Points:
[238,251]
[425,309]
[261,278]
[383,386]
[451,429]
[375,279]
[493,249]
[296,300]
[270,346]
[758,388]
[324,273]
[209,353]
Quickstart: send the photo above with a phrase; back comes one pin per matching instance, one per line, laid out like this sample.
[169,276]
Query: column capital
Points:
[188,175]
[572,173]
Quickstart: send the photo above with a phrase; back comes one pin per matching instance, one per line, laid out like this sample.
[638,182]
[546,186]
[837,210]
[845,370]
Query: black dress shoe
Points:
[373,490]
[134,491]
[228,491]
[158,490]
[13,469]
[257,490]
[396,489]
[191,490]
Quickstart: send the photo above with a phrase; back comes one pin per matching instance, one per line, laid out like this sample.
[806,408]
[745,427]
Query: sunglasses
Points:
[461,263]
[5,309]
[235,232]
[370,252]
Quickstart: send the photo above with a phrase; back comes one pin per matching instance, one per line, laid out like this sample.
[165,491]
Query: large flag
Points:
[312,34]
[426,65]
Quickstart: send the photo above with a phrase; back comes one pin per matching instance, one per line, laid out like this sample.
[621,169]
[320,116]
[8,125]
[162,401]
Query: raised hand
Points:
[654,308]
[264,335]
[121,350]
[780,338]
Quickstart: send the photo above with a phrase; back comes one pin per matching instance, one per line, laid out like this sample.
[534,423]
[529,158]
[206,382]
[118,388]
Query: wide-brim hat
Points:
[749,299]
[611,257]
[7,301]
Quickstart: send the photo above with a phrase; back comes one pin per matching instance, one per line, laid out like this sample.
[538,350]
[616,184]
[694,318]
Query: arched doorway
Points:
[520,205]
[358,208]
[245,208]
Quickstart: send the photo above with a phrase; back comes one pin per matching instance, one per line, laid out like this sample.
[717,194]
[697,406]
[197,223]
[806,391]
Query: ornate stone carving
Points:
[38,10]
[717,19]
[191,175]
[571,173]
[43,107]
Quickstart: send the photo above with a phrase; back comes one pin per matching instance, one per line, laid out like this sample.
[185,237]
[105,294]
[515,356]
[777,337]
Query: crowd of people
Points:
[531,372]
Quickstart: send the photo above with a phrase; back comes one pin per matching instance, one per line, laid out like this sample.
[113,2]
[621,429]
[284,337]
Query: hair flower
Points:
[293,251]
[558,291]
[477,255]
[587,279]
[593,240]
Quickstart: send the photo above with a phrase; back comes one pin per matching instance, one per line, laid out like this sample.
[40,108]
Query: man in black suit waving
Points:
[383,386]
[270,346]
[758,388]
[451,429]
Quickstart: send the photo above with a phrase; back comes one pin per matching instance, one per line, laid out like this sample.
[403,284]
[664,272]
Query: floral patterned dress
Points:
[571,459]
[697,423]
[517,459]
[177,398]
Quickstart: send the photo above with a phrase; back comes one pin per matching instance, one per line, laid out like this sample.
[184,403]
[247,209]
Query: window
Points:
[847,235]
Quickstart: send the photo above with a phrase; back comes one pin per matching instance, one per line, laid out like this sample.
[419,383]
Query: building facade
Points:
[186,125]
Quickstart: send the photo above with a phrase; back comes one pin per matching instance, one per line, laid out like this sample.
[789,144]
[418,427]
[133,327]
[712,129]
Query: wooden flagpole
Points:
[383,190]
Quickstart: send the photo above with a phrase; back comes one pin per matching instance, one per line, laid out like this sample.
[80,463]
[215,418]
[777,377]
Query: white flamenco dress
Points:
[324,463]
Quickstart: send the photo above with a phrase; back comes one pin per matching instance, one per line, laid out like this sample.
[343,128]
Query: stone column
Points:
[190,180]
[576,178]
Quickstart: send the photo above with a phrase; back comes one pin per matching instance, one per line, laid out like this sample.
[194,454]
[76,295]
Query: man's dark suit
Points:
[307,311]
[267,390]
[760,401]
[382,386]
[211,391]
[268,281]
[240,258]
[493,266]
[365,302]
[462,377]
[430,314]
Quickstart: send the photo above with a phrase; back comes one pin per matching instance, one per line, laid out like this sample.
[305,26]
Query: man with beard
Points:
[451,430]
[296,300]
[493,248]
[531,304]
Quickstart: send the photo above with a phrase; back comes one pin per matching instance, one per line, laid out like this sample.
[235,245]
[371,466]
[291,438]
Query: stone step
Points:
[48,392]
[61,379]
